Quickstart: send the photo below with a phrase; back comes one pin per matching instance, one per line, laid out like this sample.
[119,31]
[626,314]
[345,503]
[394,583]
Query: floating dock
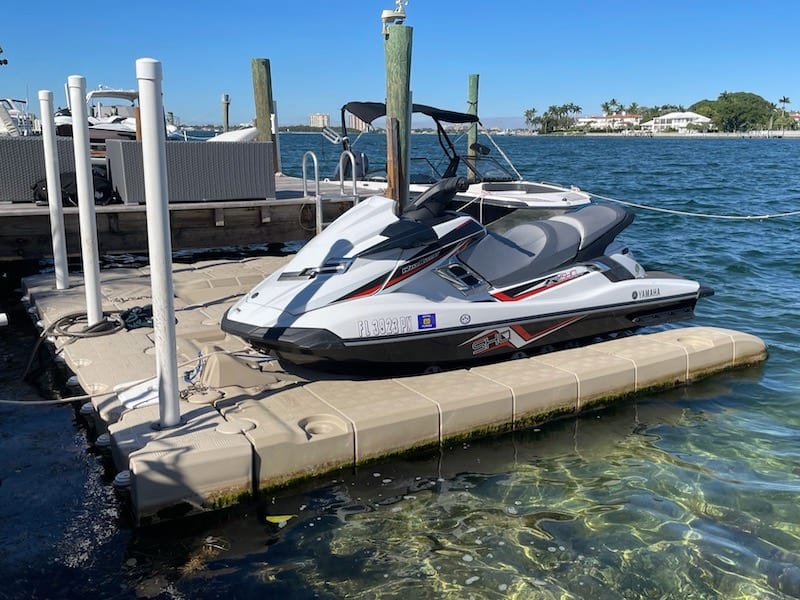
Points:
[247,425]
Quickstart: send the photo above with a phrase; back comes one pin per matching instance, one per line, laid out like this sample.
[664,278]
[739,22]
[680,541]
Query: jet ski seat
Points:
[598,225]
[533,249]
[523,253]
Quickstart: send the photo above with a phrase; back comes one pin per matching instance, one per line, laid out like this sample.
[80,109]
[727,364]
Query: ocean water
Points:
[688,493]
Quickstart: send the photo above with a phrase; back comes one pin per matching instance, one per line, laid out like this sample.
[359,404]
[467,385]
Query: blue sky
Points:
[528,54]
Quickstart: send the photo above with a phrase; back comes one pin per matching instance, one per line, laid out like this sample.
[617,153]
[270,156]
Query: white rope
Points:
[127,386]
[697,214]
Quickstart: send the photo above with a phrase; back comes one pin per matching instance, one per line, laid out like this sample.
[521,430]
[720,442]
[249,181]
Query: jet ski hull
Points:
[323,349]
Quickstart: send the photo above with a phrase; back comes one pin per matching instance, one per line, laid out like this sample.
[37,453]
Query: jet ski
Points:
[433,287]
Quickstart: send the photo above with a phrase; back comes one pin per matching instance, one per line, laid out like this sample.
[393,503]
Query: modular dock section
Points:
[247,425]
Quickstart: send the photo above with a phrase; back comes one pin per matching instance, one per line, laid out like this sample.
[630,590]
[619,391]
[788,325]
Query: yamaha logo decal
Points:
[465,319]
[646,293]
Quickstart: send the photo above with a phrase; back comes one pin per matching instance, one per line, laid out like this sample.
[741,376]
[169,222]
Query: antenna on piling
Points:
[396,16]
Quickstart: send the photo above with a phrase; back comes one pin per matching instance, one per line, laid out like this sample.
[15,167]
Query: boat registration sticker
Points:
[427,321]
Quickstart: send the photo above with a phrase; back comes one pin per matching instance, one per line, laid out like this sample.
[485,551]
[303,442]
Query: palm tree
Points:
[530,117]
[783,101]
[772,109]
[550,117]
[611,108]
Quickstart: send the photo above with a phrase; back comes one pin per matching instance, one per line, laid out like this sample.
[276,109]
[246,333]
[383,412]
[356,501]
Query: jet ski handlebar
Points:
[432,202]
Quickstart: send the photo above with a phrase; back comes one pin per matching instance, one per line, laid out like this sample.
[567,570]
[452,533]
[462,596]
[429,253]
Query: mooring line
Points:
[696,214]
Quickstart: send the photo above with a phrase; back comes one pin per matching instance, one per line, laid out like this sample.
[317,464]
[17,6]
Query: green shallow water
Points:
[687,493]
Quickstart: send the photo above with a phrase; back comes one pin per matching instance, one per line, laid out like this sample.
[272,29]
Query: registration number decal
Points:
[385,326]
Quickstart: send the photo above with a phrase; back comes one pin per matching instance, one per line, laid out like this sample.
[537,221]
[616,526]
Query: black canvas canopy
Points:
[370,111]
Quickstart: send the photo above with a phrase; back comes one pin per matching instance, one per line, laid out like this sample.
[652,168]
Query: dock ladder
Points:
[340,195]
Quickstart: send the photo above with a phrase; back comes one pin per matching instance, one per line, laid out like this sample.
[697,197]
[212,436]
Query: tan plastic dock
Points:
[247,425]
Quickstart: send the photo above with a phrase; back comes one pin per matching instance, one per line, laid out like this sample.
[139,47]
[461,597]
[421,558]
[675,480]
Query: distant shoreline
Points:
[696,135]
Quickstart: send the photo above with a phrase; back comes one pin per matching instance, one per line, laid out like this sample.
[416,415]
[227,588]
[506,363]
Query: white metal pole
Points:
[54,190]
[86,213]
[148,72]
[276,137]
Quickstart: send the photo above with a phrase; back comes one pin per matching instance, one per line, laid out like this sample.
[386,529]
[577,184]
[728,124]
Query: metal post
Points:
[148,73]
[86,213]
[277,139]
[397,47]
[53,174]
[226,105]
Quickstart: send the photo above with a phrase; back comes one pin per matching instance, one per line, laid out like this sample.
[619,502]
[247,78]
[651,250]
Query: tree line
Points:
[730,112]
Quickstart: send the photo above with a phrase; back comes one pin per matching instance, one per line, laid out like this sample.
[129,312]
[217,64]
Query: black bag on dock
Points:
[103,190]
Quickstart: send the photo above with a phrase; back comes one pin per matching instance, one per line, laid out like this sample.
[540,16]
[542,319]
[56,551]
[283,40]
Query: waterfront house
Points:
[610,122]
[679,122]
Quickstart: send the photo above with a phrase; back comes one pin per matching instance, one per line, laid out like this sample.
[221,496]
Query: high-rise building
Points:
[319,120]
[356,124]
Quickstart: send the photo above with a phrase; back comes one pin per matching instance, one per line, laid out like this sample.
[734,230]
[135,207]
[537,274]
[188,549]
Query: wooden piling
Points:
[397,47]
[472,108]
[137,117]
[392,158]
[226,105]
[262,94]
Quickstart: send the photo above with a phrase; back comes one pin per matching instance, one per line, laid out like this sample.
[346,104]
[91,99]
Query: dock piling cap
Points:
[148,68]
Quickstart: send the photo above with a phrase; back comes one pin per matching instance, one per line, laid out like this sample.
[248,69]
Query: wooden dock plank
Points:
[290,216]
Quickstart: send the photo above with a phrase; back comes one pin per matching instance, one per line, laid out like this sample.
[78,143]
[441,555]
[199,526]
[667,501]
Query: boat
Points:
[112,115]
[15,119]
[495,188]
[242,134]
[433,287]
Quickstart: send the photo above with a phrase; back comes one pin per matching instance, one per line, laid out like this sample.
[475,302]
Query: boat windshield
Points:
[480,167]
[421,171]
[484,169]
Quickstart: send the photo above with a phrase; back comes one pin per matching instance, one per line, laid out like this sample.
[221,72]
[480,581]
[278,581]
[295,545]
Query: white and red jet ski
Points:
[433,287]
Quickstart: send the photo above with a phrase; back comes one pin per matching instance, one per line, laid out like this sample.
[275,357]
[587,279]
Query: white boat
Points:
[243,134]
[496,188]
[15,118]
[112,114]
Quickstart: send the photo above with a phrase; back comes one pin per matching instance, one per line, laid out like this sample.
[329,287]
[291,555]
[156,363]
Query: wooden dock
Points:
[247,425]
[122,228]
